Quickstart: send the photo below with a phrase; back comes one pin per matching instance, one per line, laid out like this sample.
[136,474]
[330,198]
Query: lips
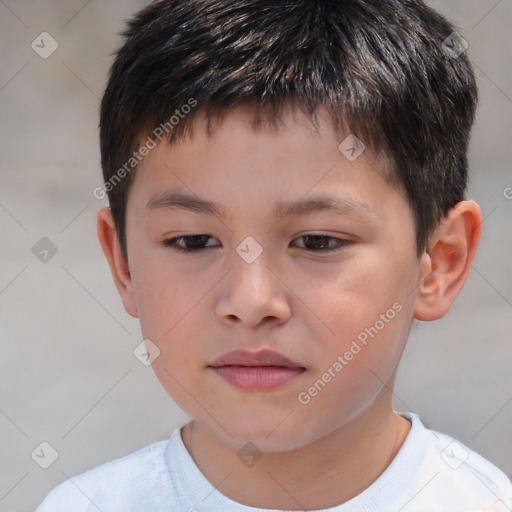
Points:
[256,371]
[261,358]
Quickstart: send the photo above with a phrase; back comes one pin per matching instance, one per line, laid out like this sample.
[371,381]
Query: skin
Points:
[307,305]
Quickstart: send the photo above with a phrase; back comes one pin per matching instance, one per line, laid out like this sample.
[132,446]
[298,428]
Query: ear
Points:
[445,266]
[111,246]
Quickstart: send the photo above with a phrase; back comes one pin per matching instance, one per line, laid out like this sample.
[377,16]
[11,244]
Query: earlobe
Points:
[446,264]
[111,246]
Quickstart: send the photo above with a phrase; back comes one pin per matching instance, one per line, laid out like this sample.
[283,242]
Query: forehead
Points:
[238,162]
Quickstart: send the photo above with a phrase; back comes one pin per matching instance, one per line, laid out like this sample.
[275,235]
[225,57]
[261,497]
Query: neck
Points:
[323,474]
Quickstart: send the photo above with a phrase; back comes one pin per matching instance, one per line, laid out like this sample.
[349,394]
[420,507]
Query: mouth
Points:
[256,371]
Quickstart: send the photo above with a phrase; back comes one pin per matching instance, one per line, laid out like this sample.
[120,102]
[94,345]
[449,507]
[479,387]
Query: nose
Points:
[253,294]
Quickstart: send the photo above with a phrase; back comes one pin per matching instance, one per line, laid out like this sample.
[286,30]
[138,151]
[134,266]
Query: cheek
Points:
[164,298]
[166,312]
[355,366]
[367,307]
[355,296]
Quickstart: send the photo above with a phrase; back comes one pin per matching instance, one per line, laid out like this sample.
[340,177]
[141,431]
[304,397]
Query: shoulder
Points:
[459,462]
[113,485]
[459,474]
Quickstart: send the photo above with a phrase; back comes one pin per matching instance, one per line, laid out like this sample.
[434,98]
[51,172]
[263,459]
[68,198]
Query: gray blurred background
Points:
[69,375]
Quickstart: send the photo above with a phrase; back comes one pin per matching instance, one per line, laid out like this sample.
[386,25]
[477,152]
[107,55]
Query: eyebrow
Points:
[318,203]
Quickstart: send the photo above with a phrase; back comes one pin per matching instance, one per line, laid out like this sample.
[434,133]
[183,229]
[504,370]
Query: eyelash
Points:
[172,243]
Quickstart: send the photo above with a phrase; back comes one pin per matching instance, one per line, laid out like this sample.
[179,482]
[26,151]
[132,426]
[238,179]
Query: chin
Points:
[266,435]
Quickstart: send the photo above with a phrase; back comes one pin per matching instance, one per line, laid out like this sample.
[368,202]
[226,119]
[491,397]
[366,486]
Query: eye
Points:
[196,243]
[322,243]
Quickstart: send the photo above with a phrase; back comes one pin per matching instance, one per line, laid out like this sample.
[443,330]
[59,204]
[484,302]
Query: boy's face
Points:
[308,306]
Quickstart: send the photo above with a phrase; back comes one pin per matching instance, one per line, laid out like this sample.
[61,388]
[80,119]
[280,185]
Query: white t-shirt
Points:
[431,473]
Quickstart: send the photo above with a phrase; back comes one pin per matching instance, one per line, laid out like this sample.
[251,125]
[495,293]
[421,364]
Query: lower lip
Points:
[257,378]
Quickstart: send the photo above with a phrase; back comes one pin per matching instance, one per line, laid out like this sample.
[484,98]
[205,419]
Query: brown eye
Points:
[188,243]
[322,243]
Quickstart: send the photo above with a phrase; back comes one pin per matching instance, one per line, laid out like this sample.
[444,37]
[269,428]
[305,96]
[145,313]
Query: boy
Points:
[286,183]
